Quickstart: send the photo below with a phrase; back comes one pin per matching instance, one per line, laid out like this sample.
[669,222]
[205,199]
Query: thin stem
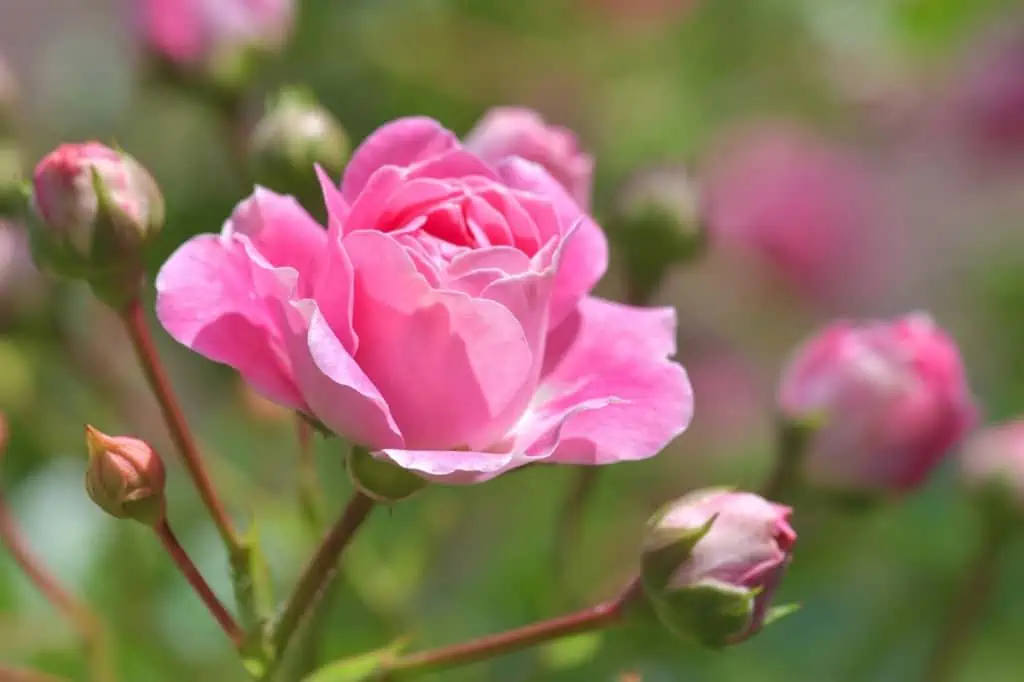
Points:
[320,570]
[198,583]
[309,483]
[967,608]
[89,627]
[598,617]
[135,323]
[570,522]
[785,474]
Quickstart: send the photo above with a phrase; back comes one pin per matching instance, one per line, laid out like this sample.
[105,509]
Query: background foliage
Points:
[641,82]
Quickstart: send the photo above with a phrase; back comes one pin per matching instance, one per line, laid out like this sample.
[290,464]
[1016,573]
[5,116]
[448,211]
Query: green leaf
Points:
[571,652]
[361,668]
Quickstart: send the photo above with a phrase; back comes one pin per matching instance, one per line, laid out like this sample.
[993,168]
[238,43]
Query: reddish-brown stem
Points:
[89,628]
[8,674]
[590,619]
[321,569]
[135,323]
[198,583]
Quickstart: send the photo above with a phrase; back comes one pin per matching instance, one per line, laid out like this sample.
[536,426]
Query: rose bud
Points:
[657,223]
[888,400]
[125,477]
[219,39]
[711,562]
[992,467]
[504,132]
[94,212]
[294,135]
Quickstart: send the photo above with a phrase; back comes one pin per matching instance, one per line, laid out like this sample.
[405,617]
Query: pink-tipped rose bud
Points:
[712,561]
[887,400]
[95,210]
[216,37]
[125,477]
[504,132]
[992,466]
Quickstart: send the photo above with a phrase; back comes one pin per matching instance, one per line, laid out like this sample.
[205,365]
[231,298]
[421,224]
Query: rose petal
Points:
[401,143]
[636,400]
[447,364]
[586,260]
[337,391]
[337,208]
[204,300]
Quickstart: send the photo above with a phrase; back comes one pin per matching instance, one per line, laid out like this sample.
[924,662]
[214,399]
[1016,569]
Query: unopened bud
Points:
[125,477]
[712,561]
[657,223]
[94,212]
[380,479]
[294,135]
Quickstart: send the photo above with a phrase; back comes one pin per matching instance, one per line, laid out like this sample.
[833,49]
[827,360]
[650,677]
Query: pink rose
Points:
[791,203]
[189,32]
[892,399]
[509,131]
[443,319]
[717,586]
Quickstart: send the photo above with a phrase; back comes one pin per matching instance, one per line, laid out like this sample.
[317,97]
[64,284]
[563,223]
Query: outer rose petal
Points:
[447,364]
[337,391]
[402,143]
[613,394]
[586,258]
[204,300]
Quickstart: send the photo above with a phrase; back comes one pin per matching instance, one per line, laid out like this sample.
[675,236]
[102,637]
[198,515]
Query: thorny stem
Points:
[135,323]
[598,617]
[320,570]
[89,627]
[188,569]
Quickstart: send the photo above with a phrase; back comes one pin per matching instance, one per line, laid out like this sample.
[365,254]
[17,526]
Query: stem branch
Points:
[598,617]
[135,323]
[965,612]
[320,570]
[198,583]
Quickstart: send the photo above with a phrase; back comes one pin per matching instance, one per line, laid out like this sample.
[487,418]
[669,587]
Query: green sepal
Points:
[711,614]
[666,549]
[380,479]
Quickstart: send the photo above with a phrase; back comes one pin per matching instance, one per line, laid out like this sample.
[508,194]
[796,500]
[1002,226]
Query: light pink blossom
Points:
[790,202]
[994,458]
[890,398]
[442,320]
[510,131]
[189,32]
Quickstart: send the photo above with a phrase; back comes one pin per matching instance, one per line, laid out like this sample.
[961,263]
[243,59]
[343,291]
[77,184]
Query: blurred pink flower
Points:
[743,555]
[892,399]
[511,131]
[442,320]
[994,458]
[990,92]
[189,32]
[791,202]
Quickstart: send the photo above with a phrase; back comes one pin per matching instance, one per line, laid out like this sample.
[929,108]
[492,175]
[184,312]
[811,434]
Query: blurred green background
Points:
[641,82]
